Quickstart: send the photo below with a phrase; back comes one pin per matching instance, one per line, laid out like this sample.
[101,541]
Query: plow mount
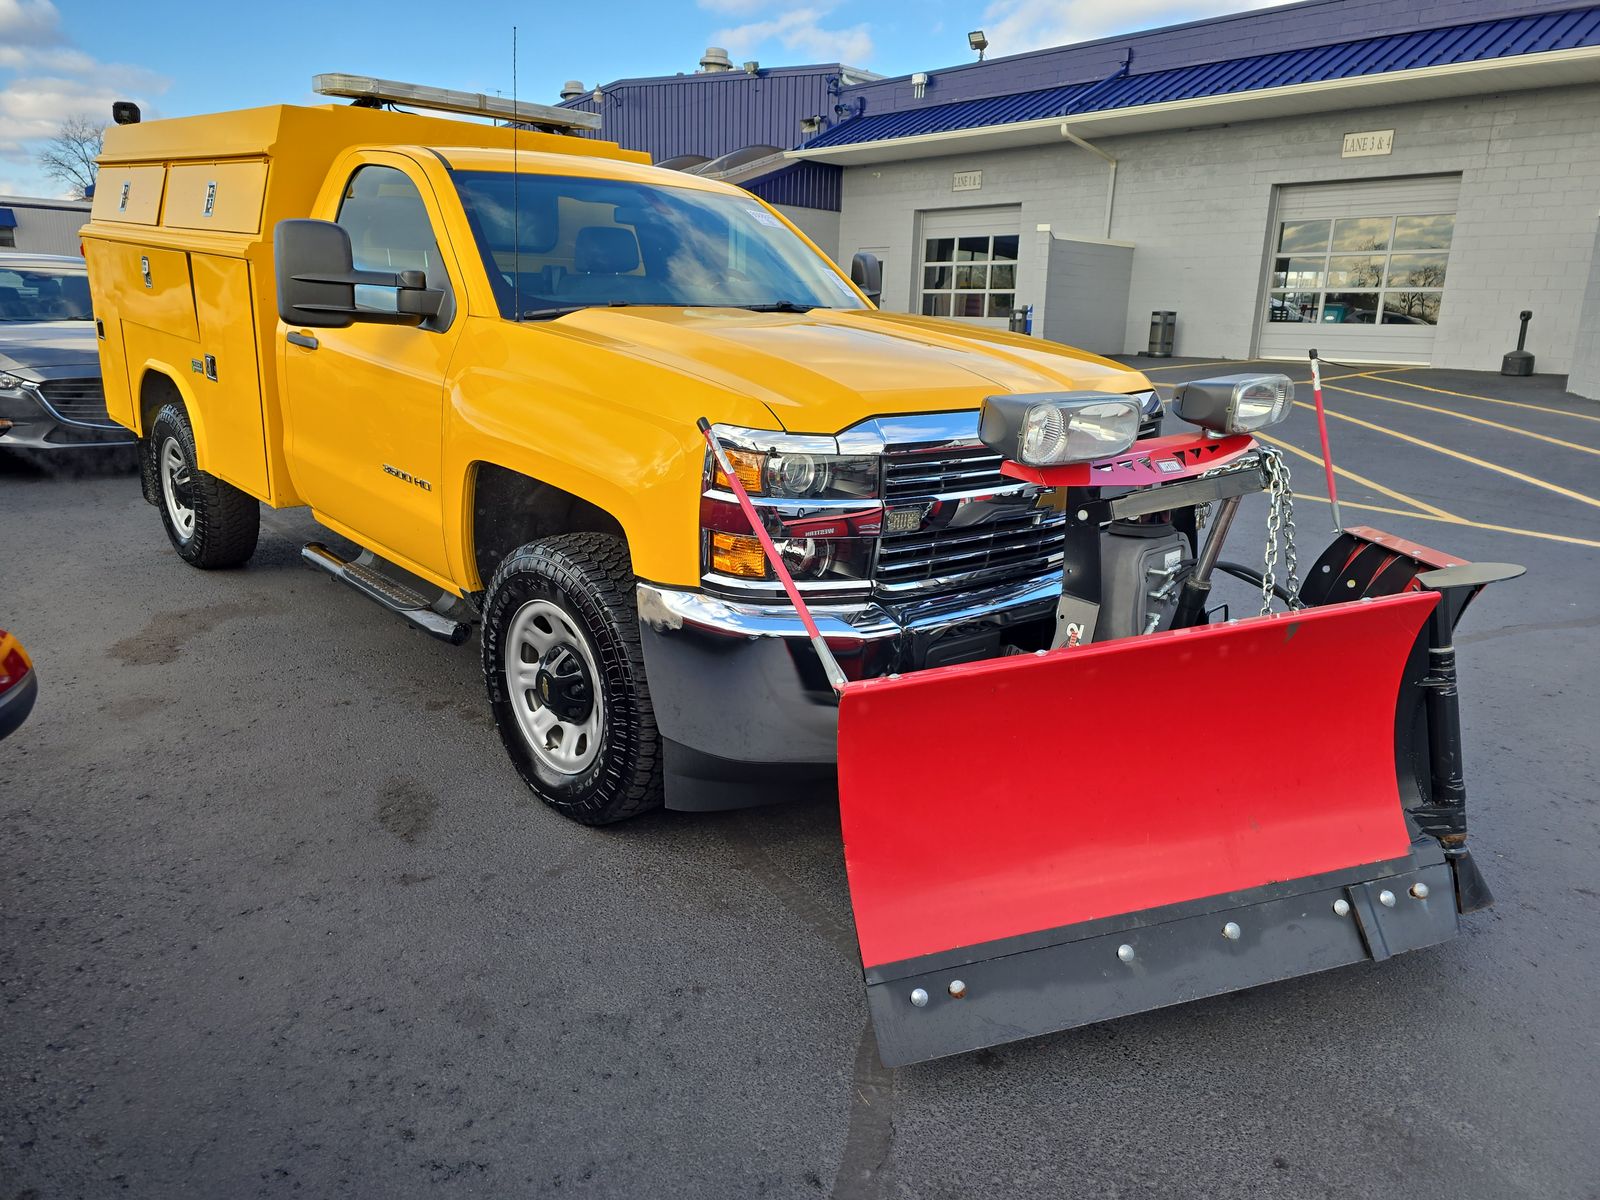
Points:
[1028,851]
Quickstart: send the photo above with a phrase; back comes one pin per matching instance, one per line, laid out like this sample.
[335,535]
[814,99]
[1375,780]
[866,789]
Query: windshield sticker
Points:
[766,218]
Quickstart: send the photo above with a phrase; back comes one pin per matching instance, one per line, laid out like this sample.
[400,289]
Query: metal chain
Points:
[1280,527]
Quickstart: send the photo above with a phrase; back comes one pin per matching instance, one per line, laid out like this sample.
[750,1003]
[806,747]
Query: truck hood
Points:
[825,370]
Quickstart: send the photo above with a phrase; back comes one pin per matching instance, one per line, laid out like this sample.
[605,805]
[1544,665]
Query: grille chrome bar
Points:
[79,400]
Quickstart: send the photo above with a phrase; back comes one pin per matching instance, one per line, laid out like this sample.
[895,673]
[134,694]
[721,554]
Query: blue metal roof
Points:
[1476,42]
[8,219]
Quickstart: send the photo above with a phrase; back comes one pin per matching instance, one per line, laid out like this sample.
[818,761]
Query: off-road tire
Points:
[589,576]
[227,522]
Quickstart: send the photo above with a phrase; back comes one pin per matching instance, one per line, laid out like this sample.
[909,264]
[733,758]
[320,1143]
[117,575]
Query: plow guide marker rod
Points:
[1322,432]
[830,665]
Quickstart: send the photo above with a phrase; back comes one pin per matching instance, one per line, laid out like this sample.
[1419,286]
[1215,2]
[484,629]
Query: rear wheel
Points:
[210,523]
[565,674]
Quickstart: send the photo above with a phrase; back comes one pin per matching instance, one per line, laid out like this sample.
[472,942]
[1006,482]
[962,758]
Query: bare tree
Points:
[68,158]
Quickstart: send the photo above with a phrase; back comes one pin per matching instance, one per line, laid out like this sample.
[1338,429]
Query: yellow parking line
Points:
[1560,412]
[1447,520]
[1450,412]
[1466,458]
[1363,480]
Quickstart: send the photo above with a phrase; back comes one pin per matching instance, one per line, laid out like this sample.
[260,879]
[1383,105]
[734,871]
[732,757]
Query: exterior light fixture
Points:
[978,42]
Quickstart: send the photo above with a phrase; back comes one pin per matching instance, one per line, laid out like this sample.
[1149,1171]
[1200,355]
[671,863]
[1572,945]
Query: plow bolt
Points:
[919,997]
[958,990]
[1419,890]
[1125,952]
[1341,907]
[1231,931]
[1386,898]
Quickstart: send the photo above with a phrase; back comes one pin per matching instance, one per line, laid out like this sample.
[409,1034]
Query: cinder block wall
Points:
[1197,205]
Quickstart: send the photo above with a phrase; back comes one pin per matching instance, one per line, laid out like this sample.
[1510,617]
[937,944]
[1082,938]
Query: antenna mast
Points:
[516,193]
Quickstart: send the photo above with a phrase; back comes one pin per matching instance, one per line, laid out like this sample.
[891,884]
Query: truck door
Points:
[366,402]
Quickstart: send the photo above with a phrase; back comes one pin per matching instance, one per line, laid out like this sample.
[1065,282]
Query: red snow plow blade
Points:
[1057,866]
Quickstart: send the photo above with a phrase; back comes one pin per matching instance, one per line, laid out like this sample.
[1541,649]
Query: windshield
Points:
[44,294]
[582,243]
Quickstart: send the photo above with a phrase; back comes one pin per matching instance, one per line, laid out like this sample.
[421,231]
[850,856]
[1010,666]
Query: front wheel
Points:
[565,673]
[210,523]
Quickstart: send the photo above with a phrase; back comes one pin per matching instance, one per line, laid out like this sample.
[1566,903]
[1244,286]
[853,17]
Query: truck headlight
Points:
[821,508]
[1048,430]
[10,382]
[1235,403]
[793,466]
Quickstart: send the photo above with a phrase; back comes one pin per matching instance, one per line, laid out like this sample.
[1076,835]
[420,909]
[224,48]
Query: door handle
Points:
[302,339]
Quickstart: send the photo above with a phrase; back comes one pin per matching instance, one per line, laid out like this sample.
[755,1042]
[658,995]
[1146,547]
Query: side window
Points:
[389,231]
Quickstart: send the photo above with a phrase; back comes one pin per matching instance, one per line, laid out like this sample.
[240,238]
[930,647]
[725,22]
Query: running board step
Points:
[390,593]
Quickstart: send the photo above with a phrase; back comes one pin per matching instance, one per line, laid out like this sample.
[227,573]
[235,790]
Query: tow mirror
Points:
[866,272]
[317,281]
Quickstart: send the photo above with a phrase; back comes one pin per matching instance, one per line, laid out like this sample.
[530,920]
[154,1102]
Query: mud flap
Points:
[1014,827]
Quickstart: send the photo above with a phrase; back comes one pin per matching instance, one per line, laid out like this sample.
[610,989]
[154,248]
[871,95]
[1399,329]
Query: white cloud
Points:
[798,28]
[44,79]
[1014,26]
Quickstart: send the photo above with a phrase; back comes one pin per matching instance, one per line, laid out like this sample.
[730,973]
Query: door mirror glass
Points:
[866,272]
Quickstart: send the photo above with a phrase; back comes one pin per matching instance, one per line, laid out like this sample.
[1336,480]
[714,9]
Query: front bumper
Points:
[740,683]
[28,421]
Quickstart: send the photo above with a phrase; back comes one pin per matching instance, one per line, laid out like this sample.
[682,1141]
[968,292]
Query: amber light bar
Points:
[469,104]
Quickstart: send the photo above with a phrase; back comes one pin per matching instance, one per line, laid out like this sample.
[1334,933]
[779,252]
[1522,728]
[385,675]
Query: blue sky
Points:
[176,57]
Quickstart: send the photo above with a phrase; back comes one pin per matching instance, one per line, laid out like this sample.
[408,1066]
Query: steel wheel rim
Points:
[174,470]
[538,629]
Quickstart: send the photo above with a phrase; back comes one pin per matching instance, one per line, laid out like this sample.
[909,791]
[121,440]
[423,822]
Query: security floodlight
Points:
[810,125]
[978,42]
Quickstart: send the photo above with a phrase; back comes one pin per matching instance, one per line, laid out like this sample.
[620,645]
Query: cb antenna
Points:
[516,191]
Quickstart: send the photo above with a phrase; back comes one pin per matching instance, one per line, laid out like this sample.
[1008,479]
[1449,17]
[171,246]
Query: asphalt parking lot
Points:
[277,918]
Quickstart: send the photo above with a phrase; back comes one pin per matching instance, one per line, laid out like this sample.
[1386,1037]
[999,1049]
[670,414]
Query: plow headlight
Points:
[1046,431]
[1235,403]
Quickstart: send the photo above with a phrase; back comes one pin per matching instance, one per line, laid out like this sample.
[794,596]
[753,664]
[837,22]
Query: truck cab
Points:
[479,354]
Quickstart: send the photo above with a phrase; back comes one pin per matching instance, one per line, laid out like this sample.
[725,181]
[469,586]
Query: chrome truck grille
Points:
[80,400]
[973,527]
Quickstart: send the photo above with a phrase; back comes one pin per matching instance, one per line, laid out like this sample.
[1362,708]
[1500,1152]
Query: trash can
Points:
[1163,332]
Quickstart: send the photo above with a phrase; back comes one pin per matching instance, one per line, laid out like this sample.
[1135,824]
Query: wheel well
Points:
[155,391]
[510,510]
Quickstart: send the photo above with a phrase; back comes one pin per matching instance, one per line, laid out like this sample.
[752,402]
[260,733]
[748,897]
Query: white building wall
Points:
[1197,205]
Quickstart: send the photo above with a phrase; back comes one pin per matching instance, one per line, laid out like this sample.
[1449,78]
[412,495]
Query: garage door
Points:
[969,263]
[1360,271]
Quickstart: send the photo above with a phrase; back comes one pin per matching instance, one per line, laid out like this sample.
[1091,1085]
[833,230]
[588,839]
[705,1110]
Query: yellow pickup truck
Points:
[478,352]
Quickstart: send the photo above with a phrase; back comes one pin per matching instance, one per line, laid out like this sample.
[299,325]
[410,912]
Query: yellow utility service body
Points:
[440,446]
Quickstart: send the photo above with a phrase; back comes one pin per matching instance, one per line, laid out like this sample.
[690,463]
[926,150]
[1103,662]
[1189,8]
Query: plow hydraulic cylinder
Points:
[1197,588]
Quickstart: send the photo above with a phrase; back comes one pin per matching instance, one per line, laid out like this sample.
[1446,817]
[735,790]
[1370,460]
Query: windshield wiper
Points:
[561,310]
[785,306]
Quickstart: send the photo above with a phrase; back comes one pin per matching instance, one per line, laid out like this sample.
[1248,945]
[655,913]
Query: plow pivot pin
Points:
[1341,907]
[1125,952]
[957,989]
[919,997]
[1386,898]
[1419,890]
[1231,931]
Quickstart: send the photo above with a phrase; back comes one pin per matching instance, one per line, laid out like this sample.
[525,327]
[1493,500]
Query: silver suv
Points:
[50,393]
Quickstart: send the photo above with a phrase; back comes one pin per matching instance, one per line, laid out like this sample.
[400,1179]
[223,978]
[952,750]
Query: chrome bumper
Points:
[740,684]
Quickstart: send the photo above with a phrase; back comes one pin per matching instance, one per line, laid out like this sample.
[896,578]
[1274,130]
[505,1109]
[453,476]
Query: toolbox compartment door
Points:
[130,194]
[221,196]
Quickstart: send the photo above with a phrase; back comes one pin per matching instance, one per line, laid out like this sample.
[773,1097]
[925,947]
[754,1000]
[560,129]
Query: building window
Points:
[1361,270]
[8,237]
[970,276]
